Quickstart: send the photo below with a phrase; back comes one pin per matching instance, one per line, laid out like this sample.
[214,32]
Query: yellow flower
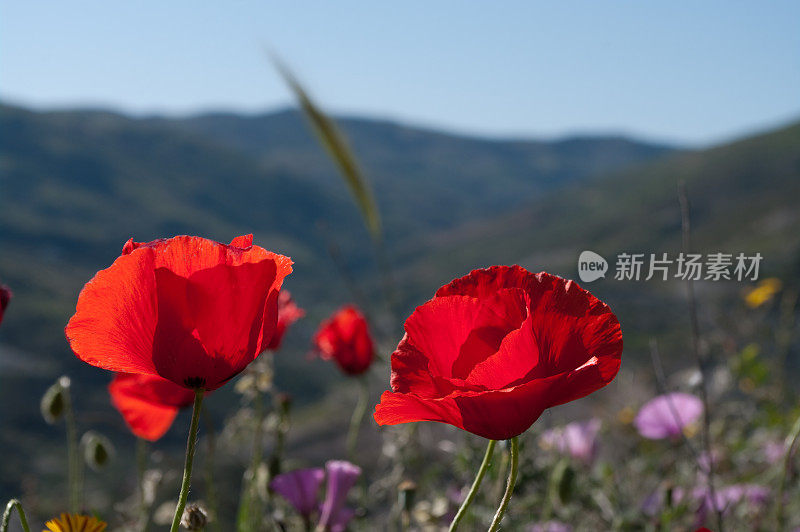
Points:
[75,523]
[763,292]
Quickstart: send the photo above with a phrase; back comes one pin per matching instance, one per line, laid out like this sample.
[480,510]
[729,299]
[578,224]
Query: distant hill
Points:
[76,185]
[744,198]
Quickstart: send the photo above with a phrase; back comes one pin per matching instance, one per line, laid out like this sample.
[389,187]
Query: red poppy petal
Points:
[152,389]
[487,281]
[210,324]
[146,419]
[572,324]
[410,372]
[595,374]
[177,351]
[440,327]
[397,408]
[516,359]
[458,332]
[244,241]
[227,305]
[496,414]
[116,316]
[499,315]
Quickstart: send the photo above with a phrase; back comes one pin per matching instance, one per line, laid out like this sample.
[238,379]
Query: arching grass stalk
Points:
[512,479]
[487,459]
[187,466]
[12,504]
[358,417]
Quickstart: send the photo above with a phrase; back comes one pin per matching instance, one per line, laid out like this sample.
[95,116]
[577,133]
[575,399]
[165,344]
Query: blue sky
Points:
[688,72]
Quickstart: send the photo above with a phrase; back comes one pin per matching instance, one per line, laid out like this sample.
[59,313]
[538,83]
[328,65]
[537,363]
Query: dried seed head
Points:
[194,517]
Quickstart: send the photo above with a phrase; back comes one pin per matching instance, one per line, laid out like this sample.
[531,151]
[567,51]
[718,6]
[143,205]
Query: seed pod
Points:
[405,495]
[97,450]
[52,404]
[562,483]
[194,517]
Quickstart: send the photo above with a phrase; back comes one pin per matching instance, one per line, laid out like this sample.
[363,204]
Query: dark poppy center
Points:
[195,382]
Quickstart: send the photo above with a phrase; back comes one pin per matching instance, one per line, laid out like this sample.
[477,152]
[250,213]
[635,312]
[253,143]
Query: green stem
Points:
[14,503]
[209,472]
[487,458]
[358,418]
[791,441]
[73,460]
[187,466]
[141,466]
[512,479]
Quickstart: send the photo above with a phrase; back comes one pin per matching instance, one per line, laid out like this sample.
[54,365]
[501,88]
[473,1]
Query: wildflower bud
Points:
[284,402]
[562,483]
[405,495]
[194,517]
[97,450]
[52,404]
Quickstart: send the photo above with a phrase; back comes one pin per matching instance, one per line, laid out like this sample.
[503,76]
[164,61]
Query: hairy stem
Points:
[358,418]
[187,466]
[141,467]
[487,458]
[73,460]
[12,504]
[512,479]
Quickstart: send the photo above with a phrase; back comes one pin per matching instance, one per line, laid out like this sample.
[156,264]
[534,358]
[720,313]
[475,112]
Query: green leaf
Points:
[337,147]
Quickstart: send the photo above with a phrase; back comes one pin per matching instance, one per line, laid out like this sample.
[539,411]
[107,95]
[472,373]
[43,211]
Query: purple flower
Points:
[774,451]
[342,477]
[578,439]
[666,415]
[300,488]
[728,497]
[549,526]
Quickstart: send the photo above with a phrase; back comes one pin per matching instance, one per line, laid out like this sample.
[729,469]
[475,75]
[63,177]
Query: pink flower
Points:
[300,488]
[342,476]
[666,415]
[577,439]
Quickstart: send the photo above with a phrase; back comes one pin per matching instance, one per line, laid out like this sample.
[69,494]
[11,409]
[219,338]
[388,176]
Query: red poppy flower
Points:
[345,338]
[492,350]
[5,297]
[288,313]
[148,403]
[188,309]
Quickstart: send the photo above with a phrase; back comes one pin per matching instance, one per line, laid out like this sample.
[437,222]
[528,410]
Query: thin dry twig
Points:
[699,356]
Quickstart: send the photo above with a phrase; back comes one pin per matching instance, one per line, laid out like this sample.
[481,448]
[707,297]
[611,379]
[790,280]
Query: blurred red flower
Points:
[188,309]
[494,349]
[5,297]
[288,313]
[345,338]
[148,403]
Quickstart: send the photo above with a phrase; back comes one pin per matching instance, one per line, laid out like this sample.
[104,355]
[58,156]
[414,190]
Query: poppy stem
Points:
[141,467]
[512,479]
[12,504]
[187,466]
[487,458]
[358,418]
[74,465]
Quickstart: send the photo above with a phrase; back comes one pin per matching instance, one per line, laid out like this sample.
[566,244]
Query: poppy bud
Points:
[562,483]
[52,404]
[97,450]
[194,517]
[405,495]
[284,402]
